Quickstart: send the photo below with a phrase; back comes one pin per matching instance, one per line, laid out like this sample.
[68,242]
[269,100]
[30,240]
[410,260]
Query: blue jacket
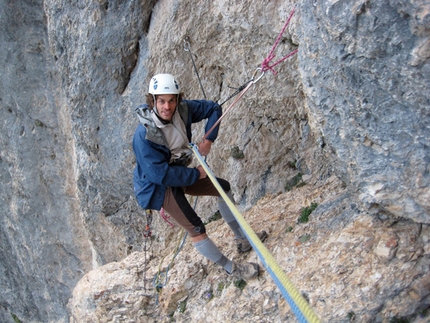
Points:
[153,174]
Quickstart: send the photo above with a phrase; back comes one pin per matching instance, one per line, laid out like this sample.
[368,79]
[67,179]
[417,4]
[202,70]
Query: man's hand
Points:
[205,147]
[202,172]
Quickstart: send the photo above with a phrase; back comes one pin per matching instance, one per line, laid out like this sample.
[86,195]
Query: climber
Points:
[162,176]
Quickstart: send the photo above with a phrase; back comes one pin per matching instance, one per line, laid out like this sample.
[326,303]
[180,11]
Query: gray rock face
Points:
[349,265]
[44,247]
[353,102]
[97,46]
[366,75]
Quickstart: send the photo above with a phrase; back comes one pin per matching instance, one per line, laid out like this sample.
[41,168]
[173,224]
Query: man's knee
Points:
[224,184]
[199,229]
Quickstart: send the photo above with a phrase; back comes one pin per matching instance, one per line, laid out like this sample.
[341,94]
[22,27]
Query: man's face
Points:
[166,105]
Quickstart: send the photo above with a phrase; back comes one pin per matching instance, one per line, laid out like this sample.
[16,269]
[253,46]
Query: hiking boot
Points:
[243,245]
[246,270]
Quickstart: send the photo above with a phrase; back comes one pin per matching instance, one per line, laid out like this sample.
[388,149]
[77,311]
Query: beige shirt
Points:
[176,136]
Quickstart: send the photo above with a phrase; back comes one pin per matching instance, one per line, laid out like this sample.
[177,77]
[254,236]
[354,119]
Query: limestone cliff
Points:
[347,119]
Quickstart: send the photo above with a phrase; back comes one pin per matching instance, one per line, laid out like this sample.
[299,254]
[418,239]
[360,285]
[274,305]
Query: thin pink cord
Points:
[166,217]
[228,109]
[265,65]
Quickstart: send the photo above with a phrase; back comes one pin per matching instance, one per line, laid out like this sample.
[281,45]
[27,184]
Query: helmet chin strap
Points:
[155,102]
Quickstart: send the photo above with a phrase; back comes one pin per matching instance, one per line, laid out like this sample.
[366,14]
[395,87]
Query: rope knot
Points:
[265,65]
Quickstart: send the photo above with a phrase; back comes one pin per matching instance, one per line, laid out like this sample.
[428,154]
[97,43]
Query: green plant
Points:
[304,216]
[293,182]
[220,287]
[214,217]
[292,164]
[424,312]
[289,229]
[240,284]
[304,238]
[396,319]
[182,306]
[38,123]
[301,184]
[236,153]
[15,318]
[351,316]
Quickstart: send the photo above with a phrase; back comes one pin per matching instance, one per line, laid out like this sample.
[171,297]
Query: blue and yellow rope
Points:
[298,304]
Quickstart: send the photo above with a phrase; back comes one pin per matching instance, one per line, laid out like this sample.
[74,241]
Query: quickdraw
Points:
[147,234]
[250,83]
[187,48]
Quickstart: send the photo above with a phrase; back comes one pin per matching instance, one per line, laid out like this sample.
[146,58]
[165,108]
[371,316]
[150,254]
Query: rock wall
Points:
[349,265]
[44,246]
[353,105]
[366,80]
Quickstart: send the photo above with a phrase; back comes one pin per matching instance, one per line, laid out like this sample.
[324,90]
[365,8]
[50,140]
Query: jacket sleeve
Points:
[200,110]
[153,163]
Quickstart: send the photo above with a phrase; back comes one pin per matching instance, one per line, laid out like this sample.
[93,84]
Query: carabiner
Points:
[186,44]
[255,73]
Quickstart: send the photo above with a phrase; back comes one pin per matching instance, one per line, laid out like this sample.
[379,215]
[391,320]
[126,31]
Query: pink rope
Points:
[265,65]
[166,217]
[228,109]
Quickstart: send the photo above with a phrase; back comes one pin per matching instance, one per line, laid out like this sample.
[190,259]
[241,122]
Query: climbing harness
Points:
[297,302]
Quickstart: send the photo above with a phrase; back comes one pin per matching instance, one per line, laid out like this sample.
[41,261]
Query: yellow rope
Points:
[297,302]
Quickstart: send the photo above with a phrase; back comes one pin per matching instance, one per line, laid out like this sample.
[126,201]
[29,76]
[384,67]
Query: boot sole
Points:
[262,239]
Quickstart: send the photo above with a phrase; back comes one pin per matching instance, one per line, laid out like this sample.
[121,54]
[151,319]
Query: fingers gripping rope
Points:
[298,304]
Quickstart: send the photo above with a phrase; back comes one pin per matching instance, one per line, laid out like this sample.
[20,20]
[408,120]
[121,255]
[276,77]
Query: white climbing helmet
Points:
[163,84]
